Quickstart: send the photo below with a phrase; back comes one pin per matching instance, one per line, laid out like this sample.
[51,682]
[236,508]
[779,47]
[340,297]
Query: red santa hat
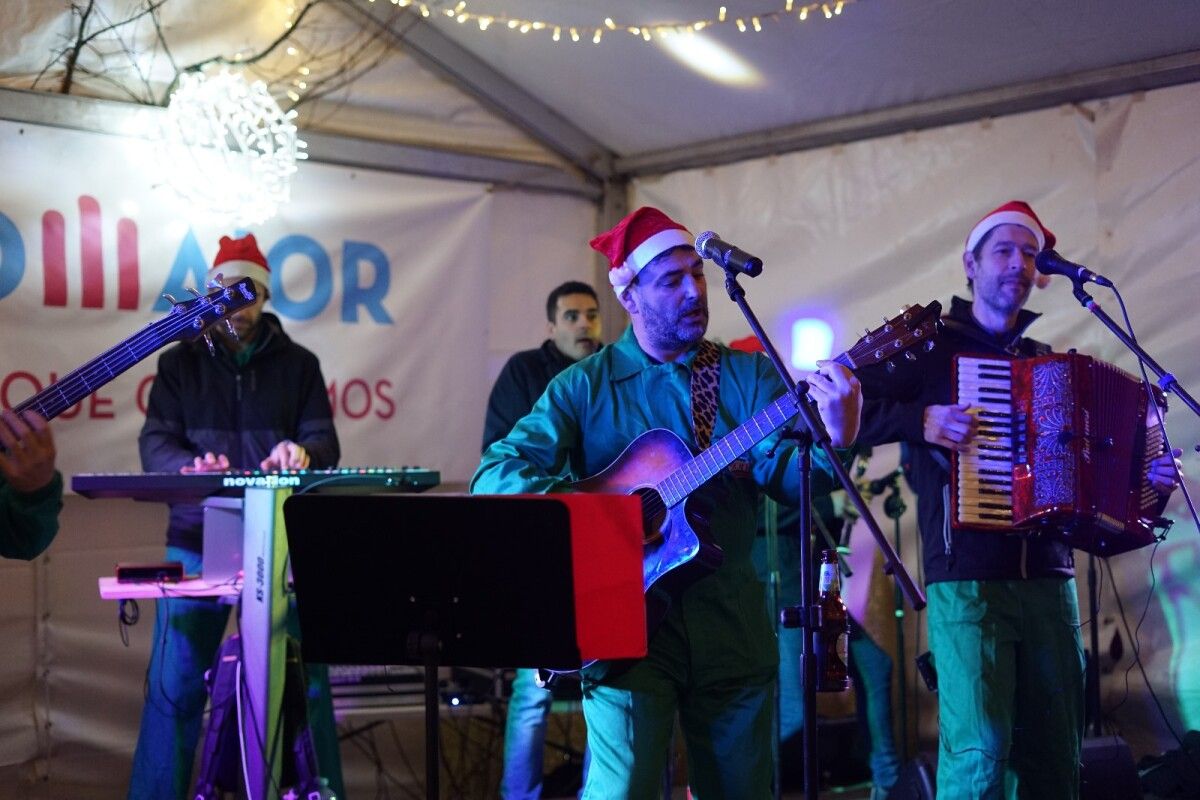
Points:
[241,258]
[637,240]
[1014,212]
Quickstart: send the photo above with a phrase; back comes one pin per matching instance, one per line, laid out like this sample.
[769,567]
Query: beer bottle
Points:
[834,631]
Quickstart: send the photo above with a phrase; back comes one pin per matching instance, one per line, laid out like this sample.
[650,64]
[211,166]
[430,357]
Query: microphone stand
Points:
[807,614]
[894,508]
[1166,382]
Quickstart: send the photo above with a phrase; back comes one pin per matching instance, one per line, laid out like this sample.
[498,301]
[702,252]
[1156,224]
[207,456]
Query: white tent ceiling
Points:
[623,106]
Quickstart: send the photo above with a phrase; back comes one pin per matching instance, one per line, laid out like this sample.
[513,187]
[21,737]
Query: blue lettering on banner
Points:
[189,261]
[308,308]
[370,297]
[12,256]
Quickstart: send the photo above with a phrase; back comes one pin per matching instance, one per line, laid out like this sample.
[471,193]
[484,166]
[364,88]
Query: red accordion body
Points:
[1062,444]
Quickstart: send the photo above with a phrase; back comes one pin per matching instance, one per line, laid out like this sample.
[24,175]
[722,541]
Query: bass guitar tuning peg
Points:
[891,366]
[170,299]
[229,328]
[217,281]
[212,351]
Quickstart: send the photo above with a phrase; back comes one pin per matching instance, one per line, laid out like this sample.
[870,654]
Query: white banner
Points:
[366,268]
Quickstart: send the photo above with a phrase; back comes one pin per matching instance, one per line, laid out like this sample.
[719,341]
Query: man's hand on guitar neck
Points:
[26,451]
[838,396]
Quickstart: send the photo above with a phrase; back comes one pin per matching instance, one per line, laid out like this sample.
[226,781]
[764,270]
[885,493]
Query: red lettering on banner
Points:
[366,393]
[95,402]
[54,259]
[127,265]
[384,399]
[6,387]
[90,253]
[358,397]
[143,389]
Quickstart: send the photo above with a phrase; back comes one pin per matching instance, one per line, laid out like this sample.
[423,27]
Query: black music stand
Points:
[486,581]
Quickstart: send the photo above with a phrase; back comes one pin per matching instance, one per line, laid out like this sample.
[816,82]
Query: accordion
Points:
[1063,445]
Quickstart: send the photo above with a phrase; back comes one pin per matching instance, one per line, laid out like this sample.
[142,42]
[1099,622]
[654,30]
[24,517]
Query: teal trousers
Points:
[1010,667]
[721,686]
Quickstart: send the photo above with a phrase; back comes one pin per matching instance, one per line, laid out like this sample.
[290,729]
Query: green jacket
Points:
[594,409]
[28,522]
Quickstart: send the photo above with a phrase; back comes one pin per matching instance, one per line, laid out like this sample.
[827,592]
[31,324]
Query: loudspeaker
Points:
[918,779]
[1107,771]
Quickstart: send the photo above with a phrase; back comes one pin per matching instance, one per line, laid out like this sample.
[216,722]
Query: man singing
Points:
[713,659]
[1003,611]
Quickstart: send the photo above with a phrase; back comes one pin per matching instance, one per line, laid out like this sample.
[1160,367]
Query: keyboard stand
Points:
[262,596]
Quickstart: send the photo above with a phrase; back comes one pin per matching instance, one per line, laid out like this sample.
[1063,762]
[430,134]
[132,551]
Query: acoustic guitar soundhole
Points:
[654,514]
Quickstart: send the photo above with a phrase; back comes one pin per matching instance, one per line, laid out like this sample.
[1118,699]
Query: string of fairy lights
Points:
[560,31]
[222,121]
[566,32]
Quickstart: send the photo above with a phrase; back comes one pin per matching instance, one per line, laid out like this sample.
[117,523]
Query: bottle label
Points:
[828,580]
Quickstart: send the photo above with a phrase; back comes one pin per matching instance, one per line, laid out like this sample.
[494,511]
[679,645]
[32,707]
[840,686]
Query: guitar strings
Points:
[94,371]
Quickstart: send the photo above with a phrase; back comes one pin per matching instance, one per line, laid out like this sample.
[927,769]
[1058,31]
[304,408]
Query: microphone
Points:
[881,485]
[1049,262]
[709,246]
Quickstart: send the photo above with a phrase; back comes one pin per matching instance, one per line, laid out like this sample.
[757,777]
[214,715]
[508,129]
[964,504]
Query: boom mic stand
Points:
[1168,383]
[806,615]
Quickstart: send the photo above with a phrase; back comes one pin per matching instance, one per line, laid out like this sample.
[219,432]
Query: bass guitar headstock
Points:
[915,327]
[191,318]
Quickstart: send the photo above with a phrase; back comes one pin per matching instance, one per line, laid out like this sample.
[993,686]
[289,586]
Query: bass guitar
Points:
[661,469]
[186,320]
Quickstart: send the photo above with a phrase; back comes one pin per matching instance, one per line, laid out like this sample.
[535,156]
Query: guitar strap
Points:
[706,379]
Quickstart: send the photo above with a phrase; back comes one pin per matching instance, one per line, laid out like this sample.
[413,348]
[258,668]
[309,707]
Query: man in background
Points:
[573,332]
[258,402]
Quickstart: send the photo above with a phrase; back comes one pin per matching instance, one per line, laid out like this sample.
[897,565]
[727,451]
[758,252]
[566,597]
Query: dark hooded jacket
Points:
[202,402]
[518,386]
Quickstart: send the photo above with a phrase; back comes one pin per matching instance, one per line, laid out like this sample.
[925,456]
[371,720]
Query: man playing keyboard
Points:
[1003,610]
[257,402]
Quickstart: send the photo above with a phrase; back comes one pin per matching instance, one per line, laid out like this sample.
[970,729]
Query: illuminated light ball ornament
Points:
[812,341]
[229,148]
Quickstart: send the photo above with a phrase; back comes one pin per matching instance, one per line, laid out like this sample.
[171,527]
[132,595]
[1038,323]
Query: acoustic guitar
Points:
[661,469]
